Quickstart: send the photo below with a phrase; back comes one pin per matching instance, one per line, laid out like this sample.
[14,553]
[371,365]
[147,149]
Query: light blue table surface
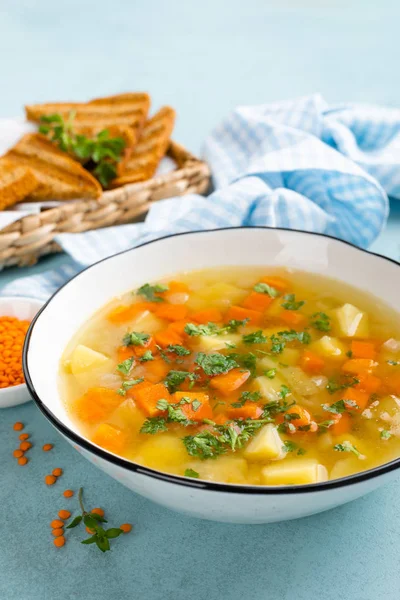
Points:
[202,58]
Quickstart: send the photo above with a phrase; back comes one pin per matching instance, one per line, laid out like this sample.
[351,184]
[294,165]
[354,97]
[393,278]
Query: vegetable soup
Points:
[240,375]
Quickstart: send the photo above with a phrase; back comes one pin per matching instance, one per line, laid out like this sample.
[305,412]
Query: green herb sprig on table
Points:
[101,537]
[100,154]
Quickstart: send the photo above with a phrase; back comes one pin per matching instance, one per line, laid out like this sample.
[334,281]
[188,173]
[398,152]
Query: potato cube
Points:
[350,321]
[294,472]
[147,322]
[269,388]
[330,347]
[231,469]
[222,295]
[162,452]
[266,445]
[212,343]
[85,359]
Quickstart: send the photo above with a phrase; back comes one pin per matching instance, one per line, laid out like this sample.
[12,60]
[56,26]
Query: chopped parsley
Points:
[174,412]
[324,425]
[270,373]
[175,378]
[215,364]
[347,447]
[125,366]
[280,339]
[153,425]
[178,349]
[289,446]
[246,396]
[264,288]
[339,407]
[332,386]
[257,337]
[203,445]
[149,292]
[349,353]
[212,328]
[148,355]
[321,321]
[191,473]
[136,338]
[126,385]
[291,303]
[393,363]
[285,391]
[385,434]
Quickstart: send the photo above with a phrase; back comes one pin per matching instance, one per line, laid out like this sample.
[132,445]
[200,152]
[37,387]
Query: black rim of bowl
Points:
[181,480]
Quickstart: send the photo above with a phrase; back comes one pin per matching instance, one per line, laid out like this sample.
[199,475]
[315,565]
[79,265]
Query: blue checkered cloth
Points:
[299,164]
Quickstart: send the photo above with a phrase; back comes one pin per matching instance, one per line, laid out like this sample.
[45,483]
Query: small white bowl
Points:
[74,304]
[24,309]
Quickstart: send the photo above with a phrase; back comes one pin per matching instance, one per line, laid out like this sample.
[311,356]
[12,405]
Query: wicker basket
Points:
[24,241]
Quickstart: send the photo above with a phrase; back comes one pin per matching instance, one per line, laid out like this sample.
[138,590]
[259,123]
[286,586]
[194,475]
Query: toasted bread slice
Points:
[128,110]
[151,147]
[16,182]
[59,176]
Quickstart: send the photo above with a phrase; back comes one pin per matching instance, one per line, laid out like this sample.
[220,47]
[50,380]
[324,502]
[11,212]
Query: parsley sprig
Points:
[101,537]
[100,154]
[212,328]
[149,292]
[321,321]
[291,303]
[264,288]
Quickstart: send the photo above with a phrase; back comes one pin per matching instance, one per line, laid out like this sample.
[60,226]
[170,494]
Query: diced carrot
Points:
[239,313]
[311,362]
[257,301]
[147,398]
[97,404]
[292,318]
[131,393]
[342,424]
[359,365]
[368,383]
[204,411]
[122,314]
[358,396]
[304,417]
[229,382]
[176,287]
[250,410]
[109,437]
[149,344]
[278,283]
[363,349]
[178,327]
[171,312]
[210,315]
[166,337]
[156,370]
[125,352]
[221,419]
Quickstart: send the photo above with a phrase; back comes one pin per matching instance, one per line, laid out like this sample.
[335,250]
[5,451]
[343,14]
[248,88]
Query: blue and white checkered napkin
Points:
[299,164]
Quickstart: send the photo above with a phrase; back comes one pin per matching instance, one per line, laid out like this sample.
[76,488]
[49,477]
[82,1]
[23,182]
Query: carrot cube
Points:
[303,416]
[122,314]
[292,318]
[171,312]
[237,312]
[204,411]
[177,287]
[359,397]
[147,398]
[311,362]
[368,383]
[131,393]
[342,424]
[359,365]
[363,349]
[210,315]
[247,411]
[256,301]
[149,344]
[167,337]
[125,352]
[278,283]
[97,404]
[109,437]
[229,382]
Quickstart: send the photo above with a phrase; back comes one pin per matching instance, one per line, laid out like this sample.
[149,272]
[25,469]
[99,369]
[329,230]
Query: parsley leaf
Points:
[246,396]
[148,355]
[126,385]
[285,391]
[385,434]
[215,364]
[175,378]
[393,363]
[347,447]
[203,445]
[280,339]
[178,349]
[257,337]
[264,288]
[270,373]
[289,446]
[324,425]
[291,303]
[340,406]
[202,329]
[153,425]
[321,321]
[125,366]
[149,292]
[191,473]
[135,338]
[174,412]
[332,386]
